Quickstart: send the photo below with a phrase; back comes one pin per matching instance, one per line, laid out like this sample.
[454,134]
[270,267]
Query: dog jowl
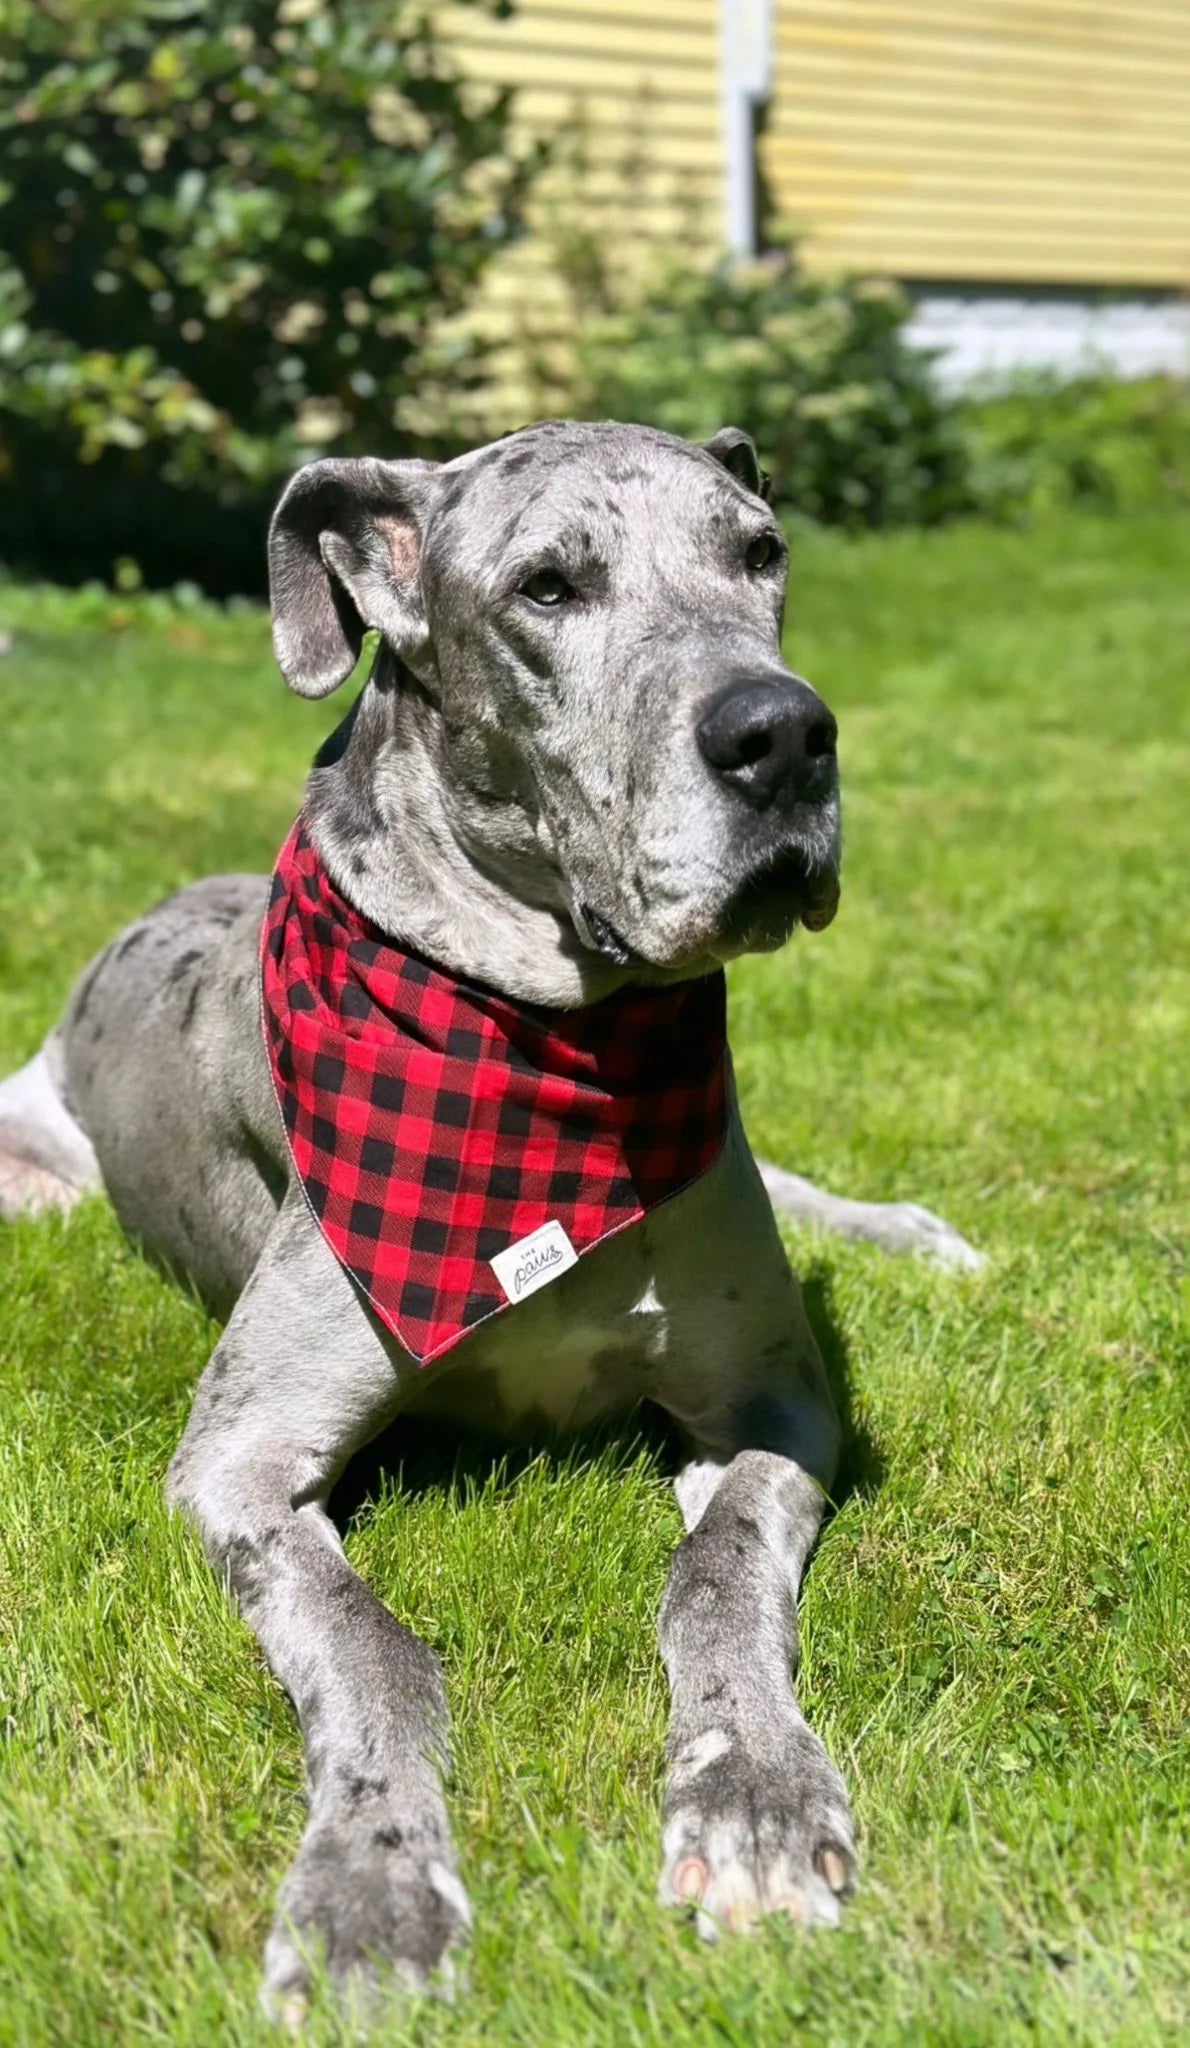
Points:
[579,778]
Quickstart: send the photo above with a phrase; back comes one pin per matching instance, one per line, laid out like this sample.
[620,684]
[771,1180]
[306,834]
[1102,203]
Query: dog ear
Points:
[736,450]
[344,555]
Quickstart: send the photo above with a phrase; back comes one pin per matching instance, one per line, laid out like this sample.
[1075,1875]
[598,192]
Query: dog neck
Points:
[396,847]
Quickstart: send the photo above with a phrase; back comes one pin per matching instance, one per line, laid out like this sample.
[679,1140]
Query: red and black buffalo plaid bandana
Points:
[457,1148]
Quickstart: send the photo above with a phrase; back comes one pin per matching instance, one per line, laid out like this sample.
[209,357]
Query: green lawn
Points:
[994,1626]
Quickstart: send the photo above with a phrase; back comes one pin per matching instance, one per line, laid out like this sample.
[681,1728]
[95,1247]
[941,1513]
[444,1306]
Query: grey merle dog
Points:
[579,761]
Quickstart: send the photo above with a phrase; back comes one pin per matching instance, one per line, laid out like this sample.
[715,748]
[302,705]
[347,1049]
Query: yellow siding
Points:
[986,140]
[630,96]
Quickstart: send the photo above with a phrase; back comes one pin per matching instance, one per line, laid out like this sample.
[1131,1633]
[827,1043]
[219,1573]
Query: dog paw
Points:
[385,1920]
[30,1190]
[750,1834]
[894,1226]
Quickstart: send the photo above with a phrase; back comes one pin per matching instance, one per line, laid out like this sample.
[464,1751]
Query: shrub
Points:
[818,369]
[1097,442]
[225,226]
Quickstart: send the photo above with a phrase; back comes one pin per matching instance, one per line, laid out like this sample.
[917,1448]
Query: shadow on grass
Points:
[414,1456]
[861,1465]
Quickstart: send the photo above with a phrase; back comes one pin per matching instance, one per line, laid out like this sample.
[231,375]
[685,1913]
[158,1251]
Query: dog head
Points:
[582,624]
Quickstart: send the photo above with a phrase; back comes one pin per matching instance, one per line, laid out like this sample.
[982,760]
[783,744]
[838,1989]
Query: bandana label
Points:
[534,1262]
[459,1149]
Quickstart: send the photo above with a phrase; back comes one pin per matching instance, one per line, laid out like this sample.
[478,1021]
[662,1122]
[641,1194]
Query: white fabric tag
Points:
[534,1261]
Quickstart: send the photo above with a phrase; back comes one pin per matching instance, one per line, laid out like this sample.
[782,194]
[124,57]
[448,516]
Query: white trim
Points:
[745,67]
[990,337]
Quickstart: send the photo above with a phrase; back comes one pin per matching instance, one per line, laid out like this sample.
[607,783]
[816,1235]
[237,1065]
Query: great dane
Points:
[579,762]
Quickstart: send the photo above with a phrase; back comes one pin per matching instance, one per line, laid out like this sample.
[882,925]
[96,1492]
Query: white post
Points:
[746,37]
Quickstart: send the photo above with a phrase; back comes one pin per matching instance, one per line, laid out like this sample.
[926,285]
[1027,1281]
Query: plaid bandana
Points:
[457,1148]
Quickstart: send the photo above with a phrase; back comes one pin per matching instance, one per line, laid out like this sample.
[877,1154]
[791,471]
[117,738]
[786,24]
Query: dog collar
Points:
[458,1149]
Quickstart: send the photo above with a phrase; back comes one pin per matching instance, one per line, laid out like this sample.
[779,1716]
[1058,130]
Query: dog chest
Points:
[585,1350]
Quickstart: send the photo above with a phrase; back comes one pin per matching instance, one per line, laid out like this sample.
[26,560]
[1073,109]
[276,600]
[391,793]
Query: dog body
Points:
[193,1155]
[579,762]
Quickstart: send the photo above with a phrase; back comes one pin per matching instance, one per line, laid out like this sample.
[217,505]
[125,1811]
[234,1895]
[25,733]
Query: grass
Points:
[994,1627]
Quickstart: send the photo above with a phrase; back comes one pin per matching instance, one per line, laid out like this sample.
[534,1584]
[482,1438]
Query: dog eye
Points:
[547,587]
[762,552]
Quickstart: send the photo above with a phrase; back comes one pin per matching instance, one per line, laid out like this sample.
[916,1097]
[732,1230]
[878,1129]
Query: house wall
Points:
[631,98]
[1023,164]
[996,141]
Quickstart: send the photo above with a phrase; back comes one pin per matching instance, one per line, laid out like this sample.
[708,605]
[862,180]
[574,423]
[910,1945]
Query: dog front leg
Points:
[756,1815]
[299,1381]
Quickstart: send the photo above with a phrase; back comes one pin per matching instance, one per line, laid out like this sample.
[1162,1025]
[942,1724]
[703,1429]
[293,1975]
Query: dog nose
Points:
[769,738]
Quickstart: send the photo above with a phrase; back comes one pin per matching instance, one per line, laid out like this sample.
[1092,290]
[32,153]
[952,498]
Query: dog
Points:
[579,771]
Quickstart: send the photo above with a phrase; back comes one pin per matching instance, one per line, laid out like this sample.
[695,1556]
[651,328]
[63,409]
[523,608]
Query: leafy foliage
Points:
[225,225]
[818,370]
[1110,446]
[849,416]
[237,233]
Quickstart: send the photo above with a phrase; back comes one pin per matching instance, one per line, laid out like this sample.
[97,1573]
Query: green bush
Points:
[226,227]
[1095,442]
[846,414]
[850,418]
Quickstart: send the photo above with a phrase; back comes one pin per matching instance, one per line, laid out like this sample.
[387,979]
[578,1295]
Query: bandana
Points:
[459,1149]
